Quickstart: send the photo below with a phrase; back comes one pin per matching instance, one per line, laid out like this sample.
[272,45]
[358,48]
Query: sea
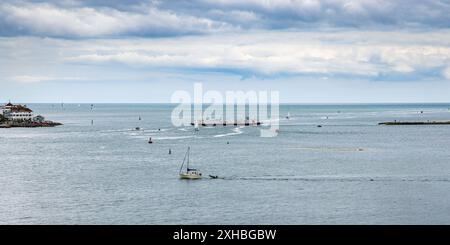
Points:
[98,169]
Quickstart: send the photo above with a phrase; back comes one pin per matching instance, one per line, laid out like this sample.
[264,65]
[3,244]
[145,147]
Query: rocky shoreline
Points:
[29,124]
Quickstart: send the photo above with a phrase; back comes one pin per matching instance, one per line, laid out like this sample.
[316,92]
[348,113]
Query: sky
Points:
[142,51]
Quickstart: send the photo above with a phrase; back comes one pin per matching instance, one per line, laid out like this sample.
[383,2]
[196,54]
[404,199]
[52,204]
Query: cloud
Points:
[344,13]
[37,79]
[45,19]
[347,53]
[446,72]
[93,19]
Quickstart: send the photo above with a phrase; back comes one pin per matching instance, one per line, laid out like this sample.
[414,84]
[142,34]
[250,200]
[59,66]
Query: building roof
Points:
[20,108]
[9,104]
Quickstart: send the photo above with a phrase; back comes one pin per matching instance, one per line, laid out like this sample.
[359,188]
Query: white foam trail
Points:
[116,130]
[173,137]
[236,131]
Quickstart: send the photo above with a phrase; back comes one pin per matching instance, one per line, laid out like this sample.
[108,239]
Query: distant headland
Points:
[21,116]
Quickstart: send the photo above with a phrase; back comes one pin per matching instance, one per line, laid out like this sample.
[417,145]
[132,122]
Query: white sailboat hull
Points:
[190,176]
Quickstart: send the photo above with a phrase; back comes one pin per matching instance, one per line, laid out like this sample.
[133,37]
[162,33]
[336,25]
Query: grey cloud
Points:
[100,18]
[55,20]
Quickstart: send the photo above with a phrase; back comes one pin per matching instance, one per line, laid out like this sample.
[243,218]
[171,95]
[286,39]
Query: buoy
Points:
[150,140]
[170,151]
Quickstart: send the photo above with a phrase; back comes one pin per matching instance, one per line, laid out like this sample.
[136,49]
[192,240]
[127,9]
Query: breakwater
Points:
[415,123]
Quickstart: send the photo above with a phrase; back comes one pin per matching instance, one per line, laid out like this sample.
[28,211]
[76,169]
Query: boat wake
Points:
[236,131]
[173,137]
[343,178]
[332,149]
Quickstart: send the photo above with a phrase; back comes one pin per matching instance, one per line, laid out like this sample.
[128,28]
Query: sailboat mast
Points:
[184,160]
[189,148]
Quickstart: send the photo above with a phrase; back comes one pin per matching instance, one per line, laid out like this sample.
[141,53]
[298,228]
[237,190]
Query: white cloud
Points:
[446,72]
[50,20]
[344,53]
[37,79]
[382,55]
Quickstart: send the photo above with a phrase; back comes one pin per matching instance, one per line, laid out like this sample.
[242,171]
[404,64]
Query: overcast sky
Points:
[329,51]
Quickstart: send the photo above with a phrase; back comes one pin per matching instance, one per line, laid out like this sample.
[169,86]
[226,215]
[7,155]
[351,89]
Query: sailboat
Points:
[190,173]
[196,126]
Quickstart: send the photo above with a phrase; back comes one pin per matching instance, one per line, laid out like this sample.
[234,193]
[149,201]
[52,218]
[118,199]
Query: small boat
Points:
[196,126]
[190,173]
[213,176]
[288,116]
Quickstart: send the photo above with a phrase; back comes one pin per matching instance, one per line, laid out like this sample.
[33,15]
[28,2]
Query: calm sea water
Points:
[350,171]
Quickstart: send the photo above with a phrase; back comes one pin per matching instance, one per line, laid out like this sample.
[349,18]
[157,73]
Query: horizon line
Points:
[283,103]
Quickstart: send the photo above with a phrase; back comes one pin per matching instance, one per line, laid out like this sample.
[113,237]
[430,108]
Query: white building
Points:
[17,112]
